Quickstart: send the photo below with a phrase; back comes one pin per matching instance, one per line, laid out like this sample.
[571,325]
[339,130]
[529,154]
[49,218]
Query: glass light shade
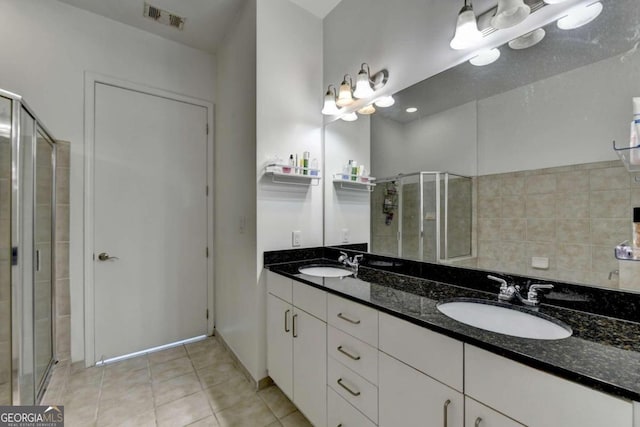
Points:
[467,33]
[369,109]
[510,13]
[363,86]
[485,57]
[385,101]
[330,108]
[351,117]
[579,16]
[344,95]
[528,40]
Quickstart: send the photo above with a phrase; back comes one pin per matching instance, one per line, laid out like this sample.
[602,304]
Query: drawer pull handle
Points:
[353,393]
[286,321]
[346,353]
[478,421]
[343,317]
[446,413]
[295,329]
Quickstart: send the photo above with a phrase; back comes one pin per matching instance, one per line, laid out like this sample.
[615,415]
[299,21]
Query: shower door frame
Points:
[18,105]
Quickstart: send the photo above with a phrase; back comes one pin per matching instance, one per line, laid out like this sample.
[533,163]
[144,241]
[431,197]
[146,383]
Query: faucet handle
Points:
[503,283]
[532,294]
[342,256]
[357,258]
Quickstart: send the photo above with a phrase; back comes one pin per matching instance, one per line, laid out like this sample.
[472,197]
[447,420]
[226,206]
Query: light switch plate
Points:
[540,263]
[295,238]
[344,235]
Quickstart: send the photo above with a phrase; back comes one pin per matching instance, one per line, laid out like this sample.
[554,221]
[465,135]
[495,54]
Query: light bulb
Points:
[351,117]
[510,13]
[363,85]
[330,108]
[579,16]
[385,101]
[485,57]
[528,40]
[467,33]
[411,110]
[344,95]
[369,109]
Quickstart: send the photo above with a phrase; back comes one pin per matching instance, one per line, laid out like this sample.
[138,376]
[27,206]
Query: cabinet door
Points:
[409,398]
[310,367]
[280,344]
[478,415]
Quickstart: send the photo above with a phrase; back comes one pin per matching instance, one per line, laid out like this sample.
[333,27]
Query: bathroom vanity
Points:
[375,350]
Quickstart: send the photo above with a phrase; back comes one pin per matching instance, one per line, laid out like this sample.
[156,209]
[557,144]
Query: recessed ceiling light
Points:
[485,57]
[411,110]
[579,16]
[528,40]
[385,101]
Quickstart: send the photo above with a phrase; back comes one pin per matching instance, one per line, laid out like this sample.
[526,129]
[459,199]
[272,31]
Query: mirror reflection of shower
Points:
[425,216]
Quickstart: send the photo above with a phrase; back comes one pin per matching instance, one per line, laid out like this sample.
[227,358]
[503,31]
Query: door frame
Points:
[92,79]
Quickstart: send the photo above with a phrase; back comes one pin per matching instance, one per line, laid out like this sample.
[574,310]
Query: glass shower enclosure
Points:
[27,248]
[425,216]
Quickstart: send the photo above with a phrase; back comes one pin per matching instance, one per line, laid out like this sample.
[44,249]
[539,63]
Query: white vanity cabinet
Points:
[297,344]
[539,399]
[478,415]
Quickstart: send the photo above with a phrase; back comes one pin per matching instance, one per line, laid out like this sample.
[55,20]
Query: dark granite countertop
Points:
[603,353]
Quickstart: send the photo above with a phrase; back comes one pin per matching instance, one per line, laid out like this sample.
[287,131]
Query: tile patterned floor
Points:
[196,384]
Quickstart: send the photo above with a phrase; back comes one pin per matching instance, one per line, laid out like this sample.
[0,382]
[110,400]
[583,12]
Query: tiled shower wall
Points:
[573,215]
[62,303]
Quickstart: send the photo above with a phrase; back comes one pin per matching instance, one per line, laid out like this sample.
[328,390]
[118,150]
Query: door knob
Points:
[105,257]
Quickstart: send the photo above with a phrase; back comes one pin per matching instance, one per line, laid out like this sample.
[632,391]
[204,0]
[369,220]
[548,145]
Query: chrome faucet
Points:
[509,292]
[353,263]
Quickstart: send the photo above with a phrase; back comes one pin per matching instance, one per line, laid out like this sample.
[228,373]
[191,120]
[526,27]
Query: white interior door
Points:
[150,211]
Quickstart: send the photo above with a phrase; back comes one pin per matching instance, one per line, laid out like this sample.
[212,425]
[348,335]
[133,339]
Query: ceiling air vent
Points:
[163,17]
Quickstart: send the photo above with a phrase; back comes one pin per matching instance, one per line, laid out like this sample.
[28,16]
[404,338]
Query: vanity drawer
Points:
[310,299]
[353,318]
[434,354]
[353,388]
[341,413]
[475,412]
[280,286]
[354,354]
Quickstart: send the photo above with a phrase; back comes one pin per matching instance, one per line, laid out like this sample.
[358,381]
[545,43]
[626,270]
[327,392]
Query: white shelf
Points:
[630,157]
[354,182]
[292,175]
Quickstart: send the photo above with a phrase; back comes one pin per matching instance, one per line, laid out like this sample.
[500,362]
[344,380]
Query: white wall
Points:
[47,46]
[235,230]
[344,208]
[444,141]
[570,118]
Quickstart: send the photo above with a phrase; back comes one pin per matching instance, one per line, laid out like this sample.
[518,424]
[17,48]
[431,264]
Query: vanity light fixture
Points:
[363,83]
[345,97]
[554,1]
[411,110]
[510,13]
[467,33]
[580,15]
[369,109]
[485,57]
[350,117]
[330,108]
[528,40]
[385,101]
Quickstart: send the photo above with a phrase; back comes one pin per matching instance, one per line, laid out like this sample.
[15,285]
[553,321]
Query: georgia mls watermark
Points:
[31,416]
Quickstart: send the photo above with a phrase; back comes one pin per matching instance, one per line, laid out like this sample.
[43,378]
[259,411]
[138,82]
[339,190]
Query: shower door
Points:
[5,251]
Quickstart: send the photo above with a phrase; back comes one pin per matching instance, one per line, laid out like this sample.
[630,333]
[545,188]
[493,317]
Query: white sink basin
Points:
[505,320]
[325,271]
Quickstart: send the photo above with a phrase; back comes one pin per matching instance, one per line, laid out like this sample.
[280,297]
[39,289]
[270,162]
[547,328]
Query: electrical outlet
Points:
[295,238]
[540,263]
[344,235]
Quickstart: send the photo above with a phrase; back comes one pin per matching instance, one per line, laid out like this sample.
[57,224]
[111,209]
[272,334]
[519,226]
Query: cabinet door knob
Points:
[478,421]
[446,412]
[286,321]
[352,392]
[343,317]
[348,354]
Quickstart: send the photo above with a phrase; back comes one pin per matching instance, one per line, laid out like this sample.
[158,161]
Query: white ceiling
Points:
[206,23]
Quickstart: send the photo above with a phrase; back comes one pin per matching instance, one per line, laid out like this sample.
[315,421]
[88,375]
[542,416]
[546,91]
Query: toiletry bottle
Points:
[346,171]
[314,167]
[354,171]
[305,162]
[295,169]
[291,164]
[634,155]
[636,227]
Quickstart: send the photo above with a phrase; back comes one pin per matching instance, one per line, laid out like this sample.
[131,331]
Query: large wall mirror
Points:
[506,167]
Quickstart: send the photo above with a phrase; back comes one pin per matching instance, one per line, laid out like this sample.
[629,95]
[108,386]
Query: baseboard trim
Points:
[257,385]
